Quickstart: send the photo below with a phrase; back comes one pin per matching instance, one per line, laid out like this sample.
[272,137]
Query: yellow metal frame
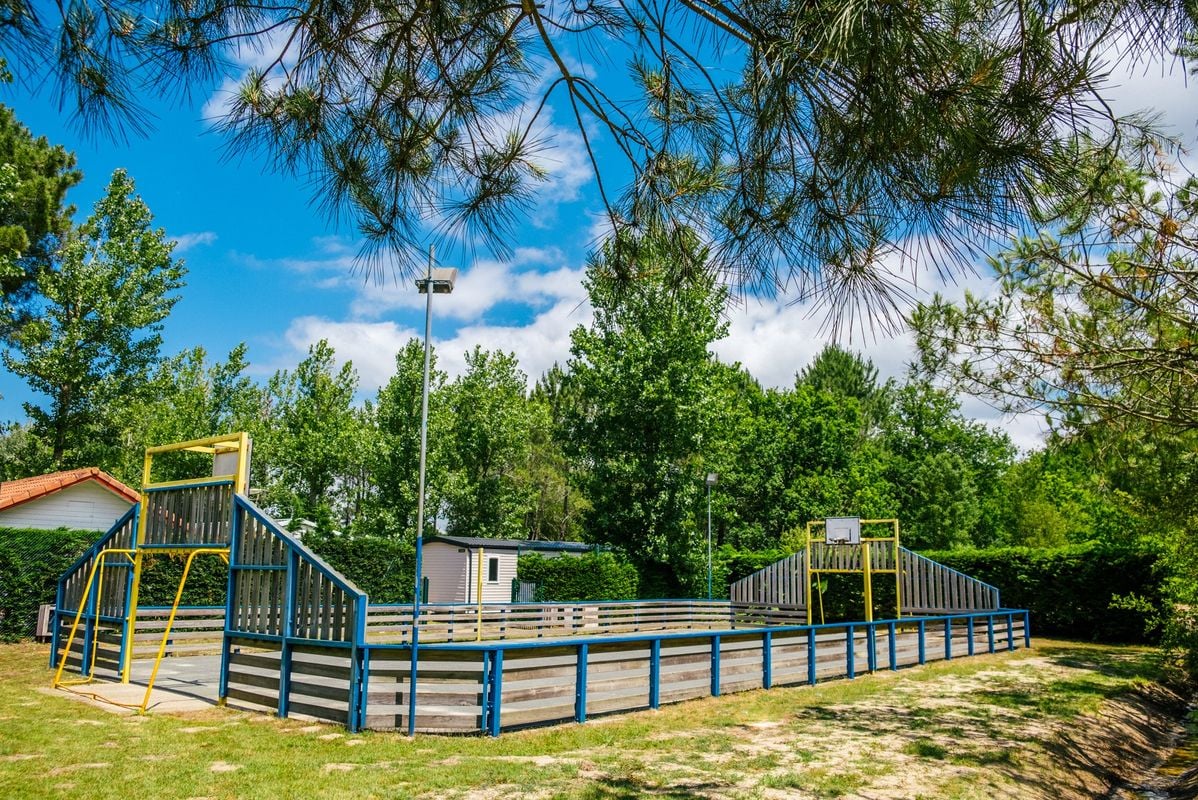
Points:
[478,634]
[210,445]
[96,577]
[867,569]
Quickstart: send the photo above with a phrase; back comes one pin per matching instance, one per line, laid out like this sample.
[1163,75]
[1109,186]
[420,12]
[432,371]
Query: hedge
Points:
[30,562]
[591,576]
[1073,591]
[383,568]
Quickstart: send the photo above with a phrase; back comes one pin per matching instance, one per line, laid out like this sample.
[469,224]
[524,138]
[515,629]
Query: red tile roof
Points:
[13,493]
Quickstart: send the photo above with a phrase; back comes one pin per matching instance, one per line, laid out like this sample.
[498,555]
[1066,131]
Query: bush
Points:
[1093,592]
[591,576]
[207,581]
[383,568]
[30,563]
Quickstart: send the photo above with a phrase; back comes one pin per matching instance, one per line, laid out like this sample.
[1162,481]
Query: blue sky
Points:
[265,268]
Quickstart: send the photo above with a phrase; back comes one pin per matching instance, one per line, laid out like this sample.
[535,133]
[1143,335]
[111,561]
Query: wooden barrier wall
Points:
[463,688]
[189,515]
[927,587]
[459,622]
[293,627]
[932,588]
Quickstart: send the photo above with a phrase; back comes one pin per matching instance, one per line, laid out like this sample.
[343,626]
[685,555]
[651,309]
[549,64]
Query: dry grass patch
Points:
[982,727]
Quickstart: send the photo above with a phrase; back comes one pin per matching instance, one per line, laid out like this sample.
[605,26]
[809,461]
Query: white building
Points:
[83,499]
[453,565]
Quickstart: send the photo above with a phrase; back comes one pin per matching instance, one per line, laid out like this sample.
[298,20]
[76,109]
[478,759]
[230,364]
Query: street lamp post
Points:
[712,479]
[435,281]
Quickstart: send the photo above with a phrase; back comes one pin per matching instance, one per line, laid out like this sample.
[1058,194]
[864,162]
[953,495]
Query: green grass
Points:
[952,722]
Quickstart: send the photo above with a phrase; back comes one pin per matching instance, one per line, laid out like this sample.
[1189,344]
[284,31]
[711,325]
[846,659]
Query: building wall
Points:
[445,567]
[85,506]
[452,573]
[499,591]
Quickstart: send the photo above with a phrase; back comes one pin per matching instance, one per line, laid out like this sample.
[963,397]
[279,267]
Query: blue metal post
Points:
[485,701]
[230,599]
[580,684]
[56,623]
[948,640]
[767,660]
[90,630]
[871,641]
[715,666]
[892,646]
[361,608]
[655,673]
[355,676]
[288,631]
[1010,631]
[850,652]
[496,693]
[990,631]
[969,633]
[363,697]
[414,661]
[923,642]
[811,656]
[1027,629]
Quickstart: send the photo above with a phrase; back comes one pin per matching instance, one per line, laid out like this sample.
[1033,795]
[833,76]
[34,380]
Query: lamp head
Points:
[712,478]
[442,280]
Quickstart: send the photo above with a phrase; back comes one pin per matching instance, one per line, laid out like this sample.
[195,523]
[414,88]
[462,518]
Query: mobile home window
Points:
[492,569]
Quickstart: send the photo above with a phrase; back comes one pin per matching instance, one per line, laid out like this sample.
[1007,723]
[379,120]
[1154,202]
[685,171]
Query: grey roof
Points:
[513,544]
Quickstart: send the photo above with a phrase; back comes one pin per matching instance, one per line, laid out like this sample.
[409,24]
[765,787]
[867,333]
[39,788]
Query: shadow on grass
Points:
[1145,664]
[626,788]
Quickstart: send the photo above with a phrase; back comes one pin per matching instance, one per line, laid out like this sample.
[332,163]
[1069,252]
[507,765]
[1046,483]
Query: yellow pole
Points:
[243,463]
[869,583]
[478,637]
[898,575]
[807,563]
[87,587]
[170,622]
[139,537]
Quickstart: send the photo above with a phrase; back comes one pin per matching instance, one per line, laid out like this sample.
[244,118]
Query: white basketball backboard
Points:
[842,530]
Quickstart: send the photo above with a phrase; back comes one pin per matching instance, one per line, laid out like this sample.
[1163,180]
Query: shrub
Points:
[1093,591]
[383,568]
[30,562]
[591,576]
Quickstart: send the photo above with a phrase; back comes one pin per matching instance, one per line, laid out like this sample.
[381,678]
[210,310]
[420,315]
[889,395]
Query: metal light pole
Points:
[712,479]
[435,281]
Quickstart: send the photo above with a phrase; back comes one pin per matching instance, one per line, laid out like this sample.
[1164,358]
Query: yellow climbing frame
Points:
[866,568]
[229,451]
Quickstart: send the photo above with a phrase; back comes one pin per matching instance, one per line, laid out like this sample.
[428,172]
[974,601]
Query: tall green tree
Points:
[489,447]
[95,340]
[641,370]
[315,440]
[559,507]
[829,136]
[1094,318]
[394,446]
[34,178]
[188,397]
[843,374]
[945,470]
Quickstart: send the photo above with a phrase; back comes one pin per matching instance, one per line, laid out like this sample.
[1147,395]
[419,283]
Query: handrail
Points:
[80,565]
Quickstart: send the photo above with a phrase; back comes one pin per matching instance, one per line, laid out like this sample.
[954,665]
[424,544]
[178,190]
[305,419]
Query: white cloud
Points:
[534,277]
[372,346]
[186,241]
